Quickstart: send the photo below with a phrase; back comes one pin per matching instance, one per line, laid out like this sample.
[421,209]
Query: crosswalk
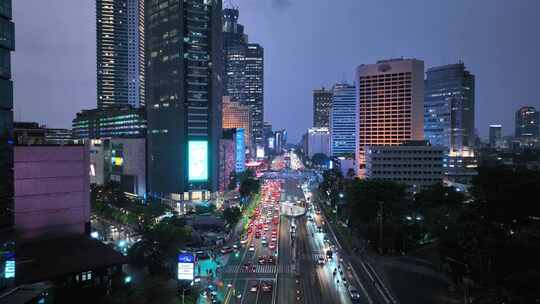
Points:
[259,269]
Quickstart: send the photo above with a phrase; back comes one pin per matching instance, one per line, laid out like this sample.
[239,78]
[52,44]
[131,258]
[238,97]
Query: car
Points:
[257,235]
[262,260]
[251,248]
[321,261]
[243,241]
[354,294]
[226,250]
[254,287]
[270,260]
[272,246]
[266,286]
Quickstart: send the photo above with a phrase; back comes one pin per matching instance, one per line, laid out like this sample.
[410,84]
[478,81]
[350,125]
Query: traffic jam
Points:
[260,244]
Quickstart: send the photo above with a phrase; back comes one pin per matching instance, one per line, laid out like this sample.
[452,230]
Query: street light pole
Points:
[381,206]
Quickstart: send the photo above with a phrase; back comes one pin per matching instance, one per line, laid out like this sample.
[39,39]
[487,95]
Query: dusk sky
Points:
[308,44]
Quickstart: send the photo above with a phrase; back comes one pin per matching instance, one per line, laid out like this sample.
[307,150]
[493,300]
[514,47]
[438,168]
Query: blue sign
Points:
[240,151]
[186,258]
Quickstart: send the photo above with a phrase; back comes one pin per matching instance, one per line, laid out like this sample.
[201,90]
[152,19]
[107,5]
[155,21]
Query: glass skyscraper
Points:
[527,123]
[322,103]
[184,92]
[7,45]
[120,53]
[244,71]
[449,109]
[343,120]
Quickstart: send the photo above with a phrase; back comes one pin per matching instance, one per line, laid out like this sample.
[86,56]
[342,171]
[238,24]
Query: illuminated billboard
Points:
[260,152]
[240,151]
[198,160]
[185,266]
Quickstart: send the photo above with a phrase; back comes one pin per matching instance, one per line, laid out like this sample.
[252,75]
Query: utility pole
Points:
[381,243]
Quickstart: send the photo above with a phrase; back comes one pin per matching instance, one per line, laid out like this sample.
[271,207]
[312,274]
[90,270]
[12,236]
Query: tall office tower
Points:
[322,103]
[120,52]
[7,45]
[495,136]
[244,71]
[527,123]
[237,116]
[343,120]
[449,112]
[184,91]
[390,104]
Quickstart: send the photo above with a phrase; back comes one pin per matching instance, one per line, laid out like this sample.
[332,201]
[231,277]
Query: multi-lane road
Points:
[303,270]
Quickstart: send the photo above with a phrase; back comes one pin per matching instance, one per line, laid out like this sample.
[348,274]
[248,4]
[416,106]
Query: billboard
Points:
[240,150]
[198,160]
[185,266]
[260,152]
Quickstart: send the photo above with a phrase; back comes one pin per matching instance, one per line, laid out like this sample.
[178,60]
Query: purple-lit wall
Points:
[52,195]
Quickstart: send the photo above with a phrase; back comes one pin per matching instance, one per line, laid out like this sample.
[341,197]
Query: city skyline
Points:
[69,50]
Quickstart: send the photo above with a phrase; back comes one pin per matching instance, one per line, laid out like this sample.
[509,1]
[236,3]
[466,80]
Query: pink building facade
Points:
[52,191]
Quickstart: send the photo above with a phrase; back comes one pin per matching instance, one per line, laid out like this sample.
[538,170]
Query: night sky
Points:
[308,44]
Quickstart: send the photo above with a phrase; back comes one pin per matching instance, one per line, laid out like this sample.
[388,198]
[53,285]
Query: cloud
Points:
[281,4]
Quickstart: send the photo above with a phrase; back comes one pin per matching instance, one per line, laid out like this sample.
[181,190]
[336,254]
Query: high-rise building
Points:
[7,45]
[449,112]
[390,104]
[120,52]
[184,92]
[322,103]
[343,120]
[244,71]
[495,136]
[527,123]
[235,116]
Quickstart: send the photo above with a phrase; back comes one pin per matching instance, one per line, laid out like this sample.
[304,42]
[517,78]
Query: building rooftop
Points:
[48,259]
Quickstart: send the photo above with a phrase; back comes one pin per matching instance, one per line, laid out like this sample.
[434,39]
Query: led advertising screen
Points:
[240,151]
[185,266]
[198,160]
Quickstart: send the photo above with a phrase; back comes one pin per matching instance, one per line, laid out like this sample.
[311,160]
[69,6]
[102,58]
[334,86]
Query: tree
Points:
[363,199]
[320,159]
[248,187]
[159,245]
[506,195]
[232,215]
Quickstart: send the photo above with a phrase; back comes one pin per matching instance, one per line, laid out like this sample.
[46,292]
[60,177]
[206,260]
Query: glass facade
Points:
[322,103]
[449,108]
[184,75]
[527,123]
[244,71]
[7,45]
[120,52]
[110,122]
[343,120]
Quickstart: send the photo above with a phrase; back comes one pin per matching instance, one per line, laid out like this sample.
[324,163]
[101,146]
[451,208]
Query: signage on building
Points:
[240,151]
[198,160]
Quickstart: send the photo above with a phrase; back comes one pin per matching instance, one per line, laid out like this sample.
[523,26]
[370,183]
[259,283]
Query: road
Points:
[303,273]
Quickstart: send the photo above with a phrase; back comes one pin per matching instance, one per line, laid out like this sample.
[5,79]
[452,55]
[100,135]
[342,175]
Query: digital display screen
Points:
[240,151]
[198,160]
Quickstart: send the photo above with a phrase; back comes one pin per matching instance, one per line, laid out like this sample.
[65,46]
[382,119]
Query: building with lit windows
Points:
[120,53]
[449,104]
[236,115]
[390,104]
[119,121]
[343,120]
[244,71]
[495,136]
[322,103]
[527,125]
[184,97]
[416,164]
[318,141]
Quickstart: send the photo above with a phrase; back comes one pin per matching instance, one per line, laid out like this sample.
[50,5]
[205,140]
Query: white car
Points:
[251,248]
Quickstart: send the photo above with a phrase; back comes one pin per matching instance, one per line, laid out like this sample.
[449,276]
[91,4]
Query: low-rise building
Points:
[415,164]
[112,122]
[318,141]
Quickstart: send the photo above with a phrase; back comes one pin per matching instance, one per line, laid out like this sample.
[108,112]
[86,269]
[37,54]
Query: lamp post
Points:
[381,208]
